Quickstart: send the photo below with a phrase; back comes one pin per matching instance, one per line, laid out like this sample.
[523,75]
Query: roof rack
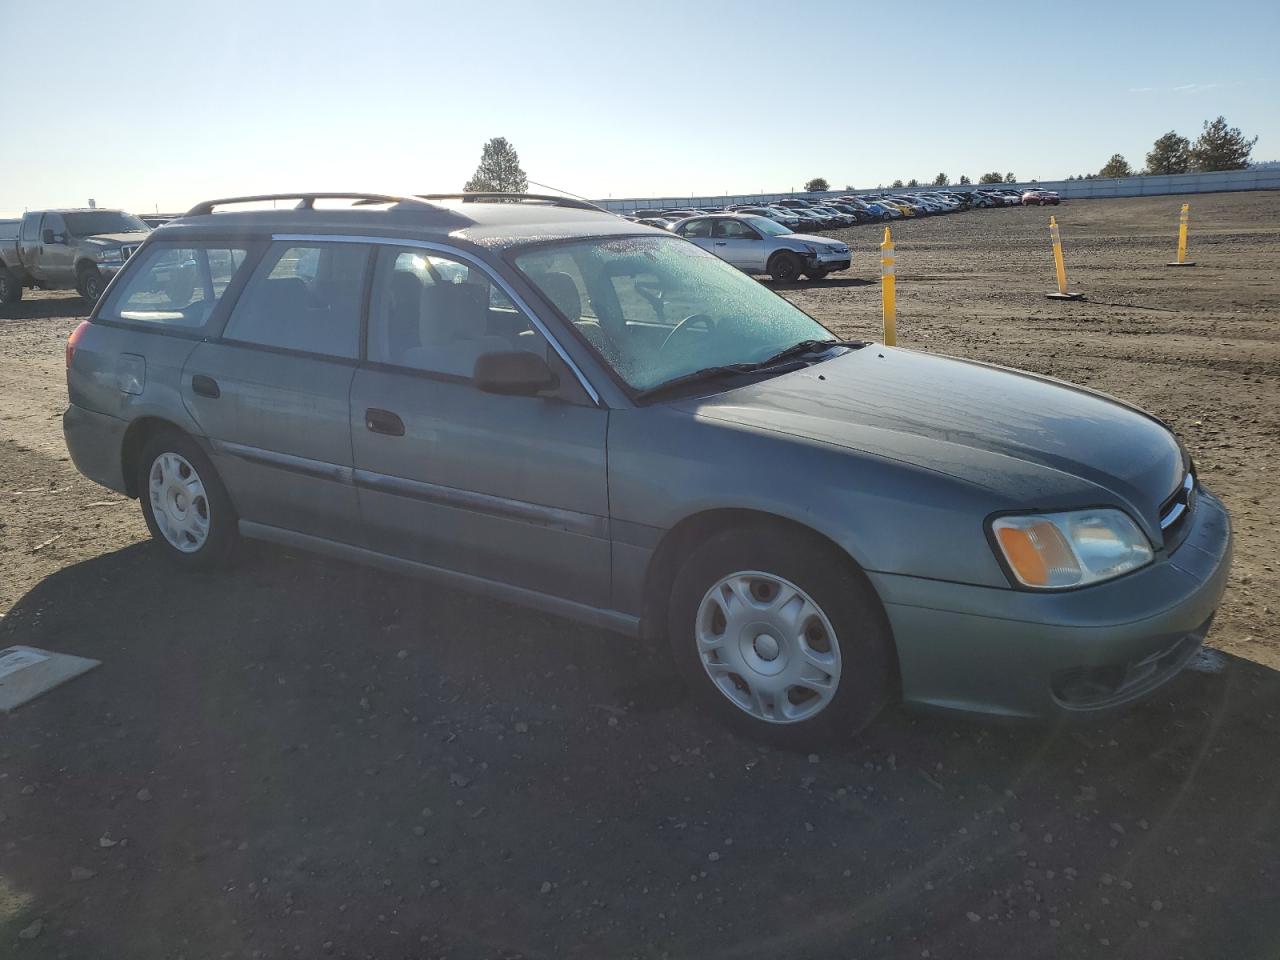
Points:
[306,201]
[497,196]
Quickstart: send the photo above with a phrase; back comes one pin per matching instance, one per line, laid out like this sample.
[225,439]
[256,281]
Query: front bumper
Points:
[1028,654]
[96,444]
[109,268]
[828,261]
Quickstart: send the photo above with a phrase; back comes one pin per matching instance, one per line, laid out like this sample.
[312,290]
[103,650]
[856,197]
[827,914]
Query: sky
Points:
[157,105]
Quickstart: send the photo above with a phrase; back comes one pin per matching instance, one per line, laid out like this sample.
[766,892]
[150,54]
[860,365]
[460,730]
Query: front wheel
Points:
[781,636]
[817,274]
[90,284]
[10,287]
[785,267]
[186,507]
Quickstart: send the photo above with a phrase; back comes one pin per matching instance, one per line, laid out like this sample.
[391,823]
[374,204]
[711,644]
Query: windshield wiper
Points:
[806,347]
[722,372]
[770,364]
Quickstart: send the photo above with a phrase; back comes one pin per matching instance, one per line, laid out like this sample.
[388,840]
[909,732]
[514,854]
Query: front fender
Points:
[890,516]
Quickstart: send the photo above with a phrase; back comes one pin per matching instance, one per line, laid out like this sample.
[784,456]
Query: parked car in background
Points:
[493,396]
[778,214]
[758,245]
[1040,198]
[68,249]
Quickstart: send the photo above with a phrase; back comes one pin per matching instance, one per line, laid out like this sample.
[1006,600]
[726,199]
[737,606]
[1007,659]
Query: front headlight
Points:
[110,255]
[1051,551]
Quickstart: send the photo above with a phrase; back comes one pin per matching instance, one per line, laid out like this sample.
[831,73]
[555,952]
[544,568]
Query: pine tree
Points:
[1221,147]
[499,170]
[1170,154]
[1117,166]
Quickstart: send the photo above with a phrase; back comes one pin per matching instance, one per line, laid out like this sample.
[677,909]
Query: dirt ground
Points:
[298,757]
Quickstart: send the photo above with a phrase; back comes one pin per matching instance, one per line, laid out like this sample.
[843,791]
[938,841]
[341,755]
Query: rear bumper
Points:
[1019,653]
[96,444]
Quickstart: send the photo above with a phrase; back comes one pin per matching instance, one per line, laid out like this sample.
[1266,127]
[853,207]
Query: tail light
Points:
[72,340]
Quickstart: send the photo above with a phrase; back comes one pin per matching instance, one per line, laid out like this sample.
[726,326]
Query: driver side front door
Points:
[740,244]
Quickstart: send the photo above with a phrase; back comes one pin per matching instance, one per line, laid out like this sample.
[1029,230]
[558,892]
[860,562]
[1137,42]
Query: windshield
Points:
[92,222]
[657,308]
[770,228]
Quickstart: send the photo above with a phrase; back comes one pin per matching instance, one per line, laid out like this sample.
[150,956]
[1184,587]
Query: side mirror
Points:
[48,236]
[514,373]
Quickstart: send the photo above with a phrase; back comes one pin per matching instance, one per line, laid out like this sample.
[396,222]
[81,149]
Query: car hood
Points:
[825,243]
[115,239]
[1036,442]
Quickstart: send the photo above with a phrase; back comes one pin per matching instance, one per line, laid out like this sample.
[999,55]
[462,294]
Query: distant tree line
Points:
[1219,147]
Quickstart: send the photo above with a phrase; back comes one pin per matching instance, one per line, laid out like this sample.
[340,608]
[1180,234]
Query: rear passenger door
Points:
[510,489]
[272,392]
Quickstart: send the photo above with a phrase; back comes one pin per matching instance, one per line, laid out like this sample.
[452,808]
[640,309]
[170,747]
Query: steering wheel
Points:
[687,324]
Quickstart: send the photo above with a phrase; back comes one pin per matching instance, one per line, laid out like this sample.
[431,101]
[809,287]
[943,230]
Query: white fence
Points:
[1267,178]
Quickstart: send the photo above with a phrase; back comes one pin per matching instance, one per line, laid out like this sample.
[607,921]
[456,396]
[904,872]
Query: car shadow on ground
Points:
[45,308]
[826,282]
[298,756]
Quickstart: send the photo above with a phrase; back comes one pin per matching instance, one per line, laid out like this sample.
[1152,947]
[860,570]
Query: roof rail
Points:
[306,201]
[492,196]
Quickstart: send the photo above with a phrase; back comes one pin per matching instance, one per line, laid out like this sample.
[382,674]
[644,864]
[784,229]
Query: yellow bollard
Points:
[889,290]
[1184,219]
[1059,265]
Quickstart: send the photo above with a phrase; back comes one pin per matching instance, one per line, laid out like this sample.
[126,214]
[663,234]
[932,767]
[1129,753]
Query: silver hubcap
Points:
[768,647]
[179,502]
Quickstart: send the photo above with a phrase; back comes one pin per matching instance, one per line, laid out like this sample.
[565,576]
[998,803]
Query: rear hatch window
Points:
[175,286]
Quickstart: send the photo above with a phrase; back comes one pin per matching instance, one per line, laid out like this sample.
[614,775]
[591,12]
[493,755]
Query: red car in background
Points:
[1038,198]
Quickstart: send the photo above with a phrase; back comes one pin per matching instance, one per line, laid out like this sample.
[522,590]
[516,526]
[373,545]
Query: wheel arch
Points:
[678,542]
[135,438]
[83,264]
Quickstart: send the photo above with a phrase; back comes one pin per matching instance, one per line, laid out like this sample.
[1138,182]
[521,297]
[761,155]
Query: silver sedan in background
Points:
[758,245]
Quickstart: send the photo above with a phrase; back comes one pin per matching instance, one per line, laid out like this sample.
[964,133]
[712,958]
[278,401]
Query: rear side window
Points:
[175,286]
[695,228]
[304,297]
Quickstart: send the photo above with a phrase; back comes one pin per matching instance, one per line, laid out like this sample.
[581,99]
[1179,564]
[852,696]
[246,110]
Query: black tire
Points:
[223,524]
[868,677]
[10,287]
[89,284]
[817,274]
[785,267]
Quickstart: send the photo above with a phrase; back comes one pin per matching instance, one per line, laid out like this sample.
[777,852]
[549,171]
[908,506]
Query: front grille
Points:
[128,250]
[1176,510]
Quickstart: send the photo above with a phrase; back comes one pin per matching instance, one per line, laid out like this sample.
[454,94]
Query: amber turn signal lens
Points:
[1023,556]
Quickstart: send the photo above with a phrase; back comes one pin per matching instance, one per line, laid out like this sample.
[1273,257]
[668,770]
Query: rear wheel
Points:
[785,267]
[781,636]
[10,287]
[184,502]
[89,284]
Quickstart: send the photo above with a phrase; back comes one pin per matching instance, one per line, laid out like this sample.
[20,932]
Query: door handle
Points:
[205,386]
[383,421]
[719,243]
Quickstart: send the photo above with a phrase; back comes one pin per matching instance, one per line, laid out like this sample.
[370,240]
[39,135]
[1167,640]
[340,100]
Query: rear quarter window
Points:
[174,285]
